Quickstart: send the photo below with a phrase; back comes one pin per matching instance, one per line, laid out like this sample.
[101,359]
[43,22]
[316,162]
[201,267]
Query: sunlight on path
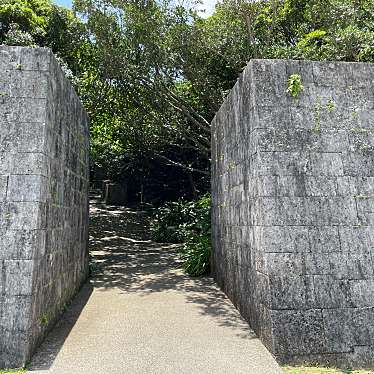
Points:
[140,314]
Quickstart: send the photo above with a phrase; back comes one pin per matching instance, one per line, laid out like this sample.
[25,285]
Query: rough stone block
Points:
[29,163]
[330,292]
[115,194]
[26,188]
[282,238]
[324,239]
[14,109]
[20,216]
[320,186]
[287,292]
[316,263]
[18,277]
[21,244]
[298,332]
[293,208]
[29,137]
[43,198]
[3,187]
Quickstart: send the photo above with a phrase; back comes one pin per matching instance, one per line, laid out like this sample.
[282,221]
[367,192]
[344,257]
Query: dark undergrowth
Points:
[186,222]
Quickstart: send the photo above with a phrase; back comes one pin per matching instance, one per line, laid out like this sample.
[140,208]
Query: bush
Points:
[186,222]
[196,255]
[168,222]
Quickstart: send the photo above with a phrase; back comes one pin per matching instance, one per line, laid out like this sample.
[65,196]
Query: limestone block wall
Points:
[293,208]
[43,198]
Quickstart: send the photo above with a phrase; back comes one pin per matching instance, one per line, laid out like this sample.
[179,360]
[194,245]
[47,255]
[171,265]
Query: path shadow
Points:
[124,257]
[49,349]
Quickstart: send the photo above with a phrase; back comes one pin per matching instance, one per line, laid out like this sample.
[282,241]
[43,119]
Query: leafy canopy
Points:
[152,74]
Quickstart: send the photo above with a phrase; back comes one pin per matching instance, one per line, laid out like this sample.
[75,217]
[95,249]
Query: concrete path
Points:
[140,314]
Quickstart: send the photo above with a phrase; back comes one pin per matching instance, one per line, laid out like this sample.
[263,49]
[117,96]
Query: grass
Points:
[13,371]
[320,370]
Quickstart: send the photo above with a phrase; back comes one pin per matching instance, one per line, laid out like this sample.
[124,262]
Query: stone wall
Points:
[43,198]
[293,208]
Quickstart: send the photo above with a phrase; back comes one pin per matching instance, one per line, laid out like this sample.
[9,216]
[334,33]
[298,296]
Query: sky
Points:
[63,2]
[208,5]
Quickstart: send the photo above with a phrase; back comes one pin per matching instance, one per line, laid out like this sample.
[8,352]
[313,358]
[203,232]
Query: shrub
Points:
[196,255]
[186,222]
[169,222]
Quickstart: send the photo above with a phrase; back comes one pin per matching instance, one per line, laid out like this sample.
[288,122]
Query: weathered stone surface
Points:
[43,198]
[293,208]
[115,194]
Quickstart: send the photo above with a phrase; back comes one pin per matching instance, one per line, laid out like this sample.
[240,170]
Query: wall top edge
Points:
[36,59]
[273,71]
[324,62]
[19,47]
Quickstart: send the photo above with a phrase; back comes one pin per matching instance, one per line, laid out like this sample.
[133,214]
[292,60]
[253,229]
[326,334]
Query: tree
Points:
[42,23]
[152,74]
[136,60]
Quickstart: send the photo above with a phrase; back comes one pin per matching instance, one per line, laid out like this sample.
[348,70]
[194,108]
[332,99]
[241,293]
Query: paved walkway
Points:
[140,314]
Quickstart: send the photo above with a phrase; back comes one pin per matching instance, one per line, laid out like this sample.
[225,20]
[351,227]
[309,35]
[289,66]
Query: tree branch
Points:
[178,164]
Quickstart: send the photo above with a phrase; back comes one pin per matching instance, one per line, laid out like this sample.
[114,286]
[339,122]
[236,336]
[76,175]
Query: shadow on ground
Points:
[123,257]
[53,343]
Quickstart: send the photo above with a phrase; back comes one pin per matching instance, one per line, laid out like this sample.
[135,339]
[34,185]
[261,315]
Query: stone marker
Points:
[115,194]
[43,198]
[103,187]
[293,207]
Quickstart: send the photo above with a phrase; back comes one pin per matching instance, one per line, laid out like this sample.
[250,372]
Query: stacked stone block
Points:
[293,208]
[43,198]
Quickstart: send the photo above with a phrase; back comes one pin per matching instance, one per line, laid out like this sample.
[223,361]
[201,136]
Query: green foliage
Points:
[330,106]
[44,320]
[196,255]
[168,221]
[153,74]
[42,23]
[186,222]
[173,221]
[312,45]
[136,84]
[156,73]
[15,36]
[295,86]
[12,371]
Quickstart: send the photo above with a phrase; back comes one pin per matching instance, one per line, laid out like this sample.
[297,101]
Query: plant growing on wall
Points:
[295,86]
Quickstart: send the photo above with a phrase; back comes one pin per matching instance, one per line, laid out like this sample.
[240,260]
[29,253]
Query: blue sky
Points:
[63,2]
[208,5]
